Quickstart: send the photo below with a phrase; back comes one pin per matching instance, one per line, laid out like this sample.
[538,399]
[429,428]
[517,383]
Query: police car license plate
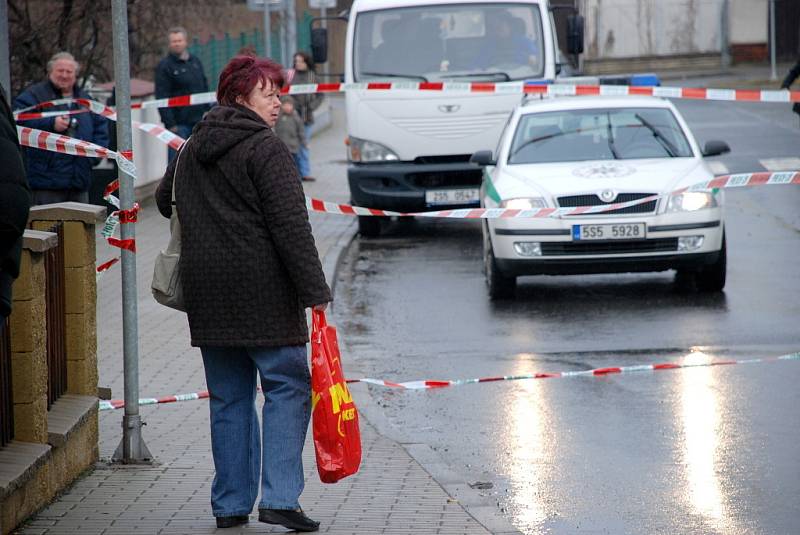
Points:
[451,196]
[610,231]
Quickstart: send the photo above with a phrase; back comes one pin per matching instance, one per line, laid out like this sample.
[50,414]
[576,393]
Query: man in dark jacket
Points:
[180,73]
[56,177]
[15,201]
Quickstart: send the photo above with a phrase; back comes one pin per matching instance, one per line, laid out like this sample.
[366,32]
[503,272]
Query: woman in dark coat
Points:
[249,269]
[15,201]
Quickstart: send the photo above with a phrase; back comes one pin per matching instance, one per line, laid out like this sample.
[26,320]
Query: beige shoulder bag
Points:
[166,285]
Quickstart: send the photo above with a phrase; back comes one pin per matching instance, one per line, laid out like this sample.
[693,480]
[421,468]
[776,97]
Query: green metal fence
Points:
[216,52]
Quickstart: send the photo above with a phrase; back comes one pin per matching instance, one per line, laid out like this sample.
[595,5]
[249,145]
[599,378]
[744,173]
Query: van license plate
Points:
[435,197]
[609,231]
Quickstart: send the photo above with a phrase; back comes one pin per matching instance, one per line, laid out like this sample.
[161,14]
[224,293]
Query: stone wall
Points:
[51,447]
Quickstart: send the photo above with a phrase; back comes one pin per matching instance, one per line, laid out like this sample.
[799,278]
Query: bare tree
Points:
[40,28]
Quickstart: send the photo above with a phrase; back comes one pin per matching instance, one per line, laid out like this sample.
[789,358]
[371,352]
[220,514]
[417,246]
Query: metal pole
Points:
[326,69]
[267,30]
[5,49]
[291,31]
[132,448]
[774,73]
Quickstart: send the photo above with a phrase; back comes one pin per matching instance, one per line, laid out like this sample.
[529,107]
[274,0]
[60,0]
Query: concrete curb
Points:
[333,258]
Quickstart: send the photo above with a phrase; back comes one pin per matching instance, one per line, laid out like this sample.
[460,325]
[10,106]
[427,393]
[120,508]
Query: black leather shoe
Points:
[232,521]
[296,520]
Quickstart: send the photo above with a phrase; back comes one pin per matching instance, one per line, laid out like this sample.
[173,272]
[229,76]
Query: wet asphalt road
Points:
[703,450]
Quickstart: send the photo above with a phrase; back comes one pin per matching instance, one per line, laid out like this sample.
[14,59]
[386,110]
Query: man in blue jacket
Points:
[177,74]
[56,177]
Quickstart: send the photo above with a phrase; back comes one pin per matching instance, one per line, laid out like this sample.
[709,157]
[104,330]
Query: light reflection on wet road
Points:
[703,450]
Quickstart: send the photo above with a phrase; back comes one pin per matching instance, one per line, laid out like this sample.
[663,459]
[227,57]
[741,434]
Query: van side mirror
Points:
[715,148]
[482,158]
[319,45]
[575,34]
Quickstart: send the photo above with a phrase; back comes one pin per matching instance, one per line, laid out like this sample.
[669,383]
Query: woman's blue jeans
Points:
[304,158]
[245,455]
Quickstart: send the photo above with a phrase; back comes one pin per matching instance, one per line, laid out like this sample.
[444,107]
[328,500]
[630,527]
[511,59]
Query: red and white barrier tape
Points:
[105,266]
[170,138]
[58,143]
[39,139]
[429,384]
[107,405]
[506,88]
[46,114]
[420,385]
[721,182]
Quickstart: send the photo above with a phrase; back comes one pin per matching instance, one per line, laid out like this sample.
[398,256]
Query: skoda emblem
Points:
[608,195]
[449,108]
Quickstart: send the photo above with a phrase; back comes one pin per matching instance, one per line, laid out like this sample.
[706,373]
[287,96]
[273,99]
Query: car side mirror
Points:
[482,158]
[319,45]
[715,148]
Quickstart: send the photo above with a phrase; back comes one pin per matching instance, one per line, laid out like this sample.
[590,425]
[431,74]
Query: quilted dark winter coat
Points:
[249,265]
[15,201]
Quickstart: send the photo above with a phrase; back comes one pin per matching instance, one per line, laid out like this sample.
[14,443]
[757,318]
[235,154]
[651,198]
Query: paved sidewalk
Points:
[391,494]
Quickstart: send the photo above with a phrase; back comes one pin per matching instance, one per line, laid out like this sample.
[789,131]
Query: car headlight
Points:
[689,201]
[363,151]
[527,203]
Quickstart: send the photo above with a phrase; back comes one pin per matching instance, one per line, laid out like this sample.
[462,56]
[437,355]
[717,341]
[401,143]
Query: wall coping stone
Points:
[19,462]
[68,211]
[39,241]
[67,414]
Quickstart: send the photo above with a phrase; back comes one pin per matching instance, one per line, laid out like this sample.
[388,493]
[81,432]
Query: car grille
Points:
[457,127]
[571,201]
[609,247]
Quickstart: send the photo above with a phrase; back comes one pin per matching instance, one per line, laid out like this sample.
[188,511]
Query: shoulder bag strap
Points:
[175,175]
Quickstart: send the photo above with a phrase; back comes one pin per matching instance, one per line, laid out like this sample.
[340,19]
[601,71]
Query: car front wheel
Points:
[708,279]
[712,278]
[500,286]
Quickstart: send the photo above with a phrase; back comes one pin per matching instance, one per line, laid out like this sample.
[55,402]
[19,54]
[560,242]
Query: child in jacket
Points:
[289,128]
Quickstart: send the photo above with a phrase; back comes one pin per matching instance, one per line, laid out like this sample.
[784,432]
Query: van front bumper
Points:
[401,186]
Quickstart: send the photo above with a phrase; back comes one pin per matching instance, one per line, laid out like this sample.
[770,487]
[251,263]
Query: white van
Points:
[408,150]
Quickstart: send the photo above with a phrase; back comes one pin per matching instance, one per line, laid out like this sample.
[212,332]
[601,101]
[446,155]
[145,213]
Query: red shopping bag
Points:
[337,440]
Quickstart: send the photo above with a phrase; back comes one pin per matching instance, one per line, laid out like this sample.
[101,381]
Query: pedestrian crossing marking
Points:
[718,168]
[780,164]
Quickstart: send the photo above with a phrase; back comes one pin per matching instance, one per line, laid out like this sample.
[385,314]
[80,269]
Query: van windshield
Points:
[450,42]
[598,134]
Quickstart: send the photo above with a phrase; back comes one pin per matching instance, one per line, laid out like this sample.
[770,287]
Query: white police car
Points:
[591,151]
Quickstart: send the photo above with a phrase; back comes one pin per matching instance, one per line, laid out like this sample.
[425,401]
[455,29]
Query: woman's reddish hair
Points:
[242,74]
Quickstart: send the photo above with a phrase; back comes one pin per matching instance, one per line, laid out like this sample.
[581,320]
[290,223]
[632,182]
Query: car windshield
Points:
[461,42]
[598,134]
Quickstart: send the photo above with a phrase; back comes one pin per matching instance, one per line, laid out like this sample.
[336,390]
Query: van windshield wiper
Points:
[395,75]
[502,74]
[662,140]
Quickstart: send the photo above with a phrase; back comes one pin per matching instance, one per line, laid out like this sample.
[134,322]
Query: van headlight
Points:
[690,201]
[524,203]
[363,151]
